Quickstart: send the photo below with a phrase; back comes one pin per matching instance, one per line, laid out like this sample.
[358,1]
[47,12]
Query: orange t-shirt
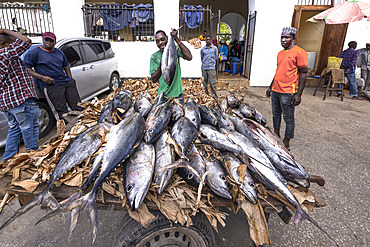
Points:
[286,76]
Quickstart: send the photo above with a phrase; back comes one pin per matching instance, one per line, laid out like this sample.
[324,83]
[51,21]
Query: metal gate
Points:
[249,45]
[27,19]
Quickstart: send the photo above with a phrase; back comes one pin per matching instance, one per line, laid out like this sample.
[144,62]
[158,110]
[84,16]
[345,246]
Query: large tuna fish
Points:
[157,120]
[177,111]
[164,156]
[233,101]
[184,134]
[216,179]
[191,110]
[198,163]
[268,175]
[169,61]
[223,120]
[207,115]
[139,171]
[122,142]
[275,150]
[246,183]
[142,104]
[83,146]
[209,135]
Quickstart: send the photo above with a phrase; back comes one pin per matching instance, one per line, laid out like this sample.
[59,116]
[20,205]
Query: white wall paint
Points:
[134,59]
[272,16]
[358,31]
[166,15]
[67,18]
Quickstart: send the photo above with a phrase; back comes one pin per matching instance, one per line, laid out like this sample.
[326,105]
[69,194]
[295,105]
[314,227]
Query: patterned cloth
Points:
[16,84]
[349,60]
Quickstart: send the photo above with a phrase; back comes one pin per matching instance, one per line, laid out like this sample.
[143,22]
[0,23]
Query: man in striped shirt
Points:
[289,81]
[17,94]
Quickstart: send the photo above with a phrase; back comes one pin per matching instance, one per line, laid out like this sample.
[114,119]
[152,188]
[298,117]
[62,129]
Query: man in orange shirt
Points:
[289,81]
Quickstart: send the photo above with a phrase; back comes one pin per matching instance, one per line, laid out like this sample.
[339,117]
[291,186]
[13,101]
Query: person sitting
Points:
[223,53]
[203,37]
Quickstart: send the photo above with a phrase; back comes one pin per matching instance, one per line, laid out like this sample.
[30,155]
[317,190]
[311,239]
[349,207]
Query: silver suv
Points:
[93,66]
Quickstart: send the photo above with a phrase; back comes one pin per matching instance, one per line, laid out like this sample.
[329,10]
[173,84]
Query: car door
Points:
[95,59]
[80,71]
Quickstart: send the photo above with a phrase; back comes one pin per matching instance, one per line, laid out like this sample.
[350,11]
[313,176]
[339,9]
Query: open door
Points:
[248,49]
[332,44]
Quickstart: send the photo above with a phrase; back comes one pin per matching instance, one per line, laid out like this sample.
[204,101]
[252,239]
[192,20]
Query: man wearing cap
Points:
[289,81]
[17,94]
[53,74]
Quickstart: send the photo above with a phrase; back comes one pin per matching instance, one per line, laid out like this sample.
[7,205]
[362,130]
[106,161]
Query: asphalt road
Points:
[331,140]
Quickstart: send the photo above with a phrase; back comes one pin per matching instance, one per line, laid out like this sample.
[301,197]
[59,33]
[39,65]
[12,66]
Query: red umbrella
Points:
[349,11]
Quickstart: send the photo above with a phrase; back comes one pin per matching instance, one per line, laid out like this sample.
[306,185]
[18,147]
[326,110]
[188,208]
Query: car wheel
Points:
[163,232]
[46,119]
[114,81]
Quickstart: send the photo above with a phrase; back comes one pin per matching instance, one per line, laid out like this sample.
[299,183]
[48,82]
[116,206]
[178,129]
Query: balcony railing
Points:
[316,2]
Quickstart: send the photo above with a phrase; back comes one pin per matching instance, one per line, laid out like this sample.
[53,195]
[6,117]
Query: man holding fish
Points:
[165,64]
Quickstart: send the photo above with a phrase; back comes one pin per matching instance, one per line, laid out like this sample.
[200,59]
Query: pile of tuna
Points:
[153,139]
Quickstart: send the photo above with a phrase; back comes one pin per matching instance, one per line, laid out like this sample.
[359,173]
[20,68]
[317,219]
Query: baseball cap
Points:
[49,35]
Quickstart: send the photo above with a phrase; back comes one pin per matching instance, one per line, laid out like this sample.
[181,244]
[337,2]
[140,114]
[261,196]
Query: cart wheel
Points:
[163,232]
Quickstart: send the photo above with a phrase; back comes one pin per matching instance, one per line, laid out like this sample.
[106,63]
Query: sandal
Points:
[357,98]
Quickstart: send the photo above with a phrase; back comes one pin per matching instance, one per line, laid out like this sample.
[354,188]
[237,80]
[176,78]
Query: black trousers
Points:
[62,94]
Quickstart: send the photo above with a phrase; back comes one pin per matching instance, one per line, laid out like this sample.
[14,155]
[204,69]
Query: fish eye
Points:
[252,185]
[129,188]
[190,176]
[223,177]
[151,131]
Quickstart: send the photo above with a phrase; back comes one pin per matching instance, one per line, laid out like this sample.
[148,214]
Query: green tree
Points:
[225,33]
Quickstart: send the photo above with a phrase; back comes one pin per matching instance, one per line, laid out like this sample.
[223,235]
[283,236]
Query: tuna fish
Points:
[223,120]
[207,115]
[106,114]
[246,183]
[122,142]
[83,146]
[209,135]
[177,111]
[233,101]
[157,120]
[142,104]
[184,134]
[247,110]
[198,163]
[275,150]
[164,156]
[139,171]
[169,61]
[216,179]
[267,174]
[191,110]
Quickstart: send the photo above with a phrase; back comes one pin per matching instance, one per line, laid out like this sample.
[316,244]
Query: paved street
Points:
[332,140]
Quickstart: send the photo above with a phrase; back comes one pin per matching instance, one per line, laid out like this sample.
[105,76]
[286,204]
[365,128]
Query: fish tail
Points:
[92,211]
[74,218]
[67,204]
[45,197]
[300,215]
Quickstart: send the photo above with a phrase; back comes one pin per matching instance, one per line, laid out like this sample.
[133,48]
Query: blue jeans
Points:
[281,104]
[23,121]
[352,84]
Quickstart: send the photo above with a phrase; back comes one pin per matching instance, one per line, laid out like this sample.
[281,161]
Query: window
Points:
[108,50]
[93,51]
[73,53]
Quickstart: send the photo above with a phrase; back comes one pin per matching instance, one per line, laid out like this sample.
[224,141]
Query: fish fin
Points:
[92,212]
[45,197]
[300,215]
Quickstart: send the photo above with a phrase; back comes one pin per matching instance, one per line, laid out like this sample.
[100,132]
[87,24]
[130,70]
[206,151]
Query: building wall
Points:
[134,59]
[272,16]
[235,21]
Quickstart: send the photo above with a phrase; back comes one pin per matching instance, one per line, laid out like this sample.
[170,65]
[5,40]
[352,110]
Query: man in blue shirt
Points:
[53,74]
[209,56]
[349,65]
